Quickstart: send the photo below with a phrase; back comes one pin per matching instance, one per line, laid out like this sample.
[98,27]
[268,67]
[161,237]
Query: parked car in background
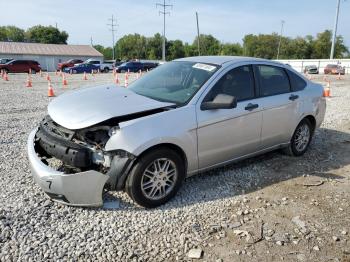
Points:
[68,63]
[21,66]
[5,60]
[334,69]
[132,66]
[311,69]
[117,63]
[105,66]
[81,68]
[182,118]
[149,65]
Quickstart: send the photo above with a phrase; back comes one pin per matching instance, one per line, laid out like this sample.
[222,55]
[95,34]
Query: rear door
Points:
[279,104]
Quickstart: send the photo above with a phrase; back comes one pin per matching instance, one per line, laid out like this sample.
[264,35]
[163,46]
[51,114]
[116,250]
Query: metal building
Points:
[48,55]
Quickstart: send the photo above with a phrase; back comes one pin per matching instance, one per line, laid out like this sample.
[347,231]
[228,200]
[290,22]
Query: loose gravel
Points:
[33,228]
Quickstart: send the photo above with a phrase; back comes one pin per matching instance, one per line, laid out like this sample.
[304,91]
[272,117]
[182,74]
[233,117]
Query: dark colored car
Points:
[81,68]
[149,65]
[311,69]
[5,60]
[21,66]
[68,63]
[130,66]
[334,69]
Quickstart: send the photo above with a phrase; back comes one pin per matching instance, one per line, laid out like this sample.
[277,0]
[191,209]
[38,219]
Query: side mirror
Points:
[221,101]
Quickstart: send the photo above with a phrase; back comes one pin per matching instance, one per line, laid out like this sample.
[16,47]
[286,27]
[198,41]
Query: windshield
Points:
[175,82]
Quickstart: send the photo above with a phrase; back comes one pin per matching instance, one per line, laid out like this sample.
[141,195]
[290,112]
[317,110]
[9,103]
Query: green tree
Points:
[106,51]
[190,50]
[154,47]
[231,49]
[11,33]
[175,49]
[132,46]
[262,45]
[46,35]
[209,45]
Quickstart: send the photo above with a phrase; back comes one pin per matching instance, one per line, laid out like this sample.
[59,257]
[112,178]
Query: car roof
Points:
[220,60]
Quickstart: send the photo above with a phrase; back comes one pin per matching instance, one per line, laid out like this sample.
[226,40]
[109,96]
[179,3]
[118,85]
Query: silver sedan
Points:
[184,117]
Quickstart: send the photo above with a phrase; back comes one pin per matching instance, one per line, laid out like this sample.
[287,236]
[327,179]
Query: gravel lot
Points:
[269,208]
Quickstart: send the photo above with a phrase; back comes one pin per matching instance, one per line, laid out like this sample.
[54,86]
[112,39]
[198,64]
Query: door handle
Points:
[251,107]
[293,97]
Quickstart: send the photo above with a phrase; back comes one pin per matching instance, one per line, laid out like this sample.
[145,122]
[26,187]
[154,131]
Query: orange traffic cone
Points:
[64,80]
[29,81]
[126,82]
[84,77]
[48,78]
[50,92]
[116,79]
[327,90]
[6,78]
[339,76]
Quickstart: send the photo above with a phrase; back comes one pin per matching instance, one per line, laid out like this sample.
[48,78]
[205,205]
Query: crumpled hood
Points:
[89,106]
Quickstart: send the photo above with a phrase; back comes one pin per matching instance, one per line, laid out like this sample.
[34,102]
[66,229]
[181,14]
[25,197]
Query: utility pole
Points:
[91,41]
[198,40]
[279,44]
[164,13]
[113,29]
[335,30]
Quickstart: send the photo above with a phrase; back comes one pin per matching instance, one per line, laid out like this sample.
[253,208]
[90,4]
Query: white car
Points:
[184,117]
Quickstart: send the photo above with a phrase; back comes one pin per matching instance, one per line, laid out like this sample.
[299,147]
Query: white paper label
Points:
[204,67]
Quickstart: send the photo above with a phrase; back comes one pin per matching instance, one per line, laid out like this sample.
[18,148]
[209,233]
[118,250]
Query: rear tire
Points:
[301,139]
[156,177]
[106,70]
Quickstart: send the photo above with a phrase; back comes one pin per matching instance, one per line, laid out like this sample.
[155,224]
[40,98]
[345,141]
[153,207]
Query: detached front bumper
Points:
[78,189]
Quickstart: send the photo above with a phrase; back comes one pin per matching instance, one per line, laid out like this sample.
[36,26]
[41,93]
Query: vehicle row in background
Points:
[311,69]
[334,69]
[21,66]
[82,68]
[135,66]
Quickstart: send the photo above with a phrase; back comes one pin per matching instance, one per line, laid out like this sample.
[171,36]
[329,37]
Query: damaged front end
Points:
[72,167]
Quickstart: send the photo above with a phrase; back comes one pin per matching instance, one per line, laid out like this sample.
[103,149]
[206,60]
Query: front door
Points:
[226,134]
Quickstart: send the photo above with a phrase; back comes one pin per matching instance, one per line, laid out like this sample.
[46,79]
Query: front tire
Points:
[301,139]
[156,177]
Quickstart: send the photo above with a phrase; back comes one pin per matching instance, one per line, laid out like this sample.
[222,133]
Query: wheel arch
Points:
[312,121]
[170,146]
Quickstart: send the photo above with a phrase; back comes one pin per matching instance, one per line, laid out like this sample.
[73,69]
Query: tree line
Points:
[136,46]
[35,34]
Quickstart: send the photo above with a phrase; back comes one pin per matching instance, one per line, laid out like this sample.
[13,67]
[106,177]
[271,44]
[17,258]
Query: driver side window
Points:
[238,82]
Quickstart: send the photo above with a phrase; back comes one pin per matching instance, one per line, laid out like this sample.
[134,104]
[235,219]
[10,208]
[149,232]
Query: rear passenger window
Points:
[273,80]
[296,81]
[238,82]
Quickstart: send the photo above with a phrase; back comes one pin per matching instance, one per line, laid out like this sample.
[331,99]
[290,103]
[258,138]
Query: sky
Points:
[227,20]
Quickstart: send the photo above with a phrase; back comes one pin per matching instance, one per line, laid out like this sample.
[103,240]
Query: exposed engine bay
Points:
[83,149]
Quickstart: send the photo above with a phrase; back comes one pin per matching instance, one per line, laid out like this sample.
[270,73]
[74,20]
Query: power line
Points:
[335,30]
[113,29]
[279,43]
[164,13]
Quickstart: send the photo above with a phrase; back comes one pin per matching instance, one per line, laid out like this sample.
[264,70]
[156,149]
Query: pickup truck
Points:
[105,66]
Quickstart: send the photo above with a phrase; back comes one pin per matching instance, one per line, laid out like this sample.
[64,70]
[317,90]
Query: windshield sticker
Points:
[205,67]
